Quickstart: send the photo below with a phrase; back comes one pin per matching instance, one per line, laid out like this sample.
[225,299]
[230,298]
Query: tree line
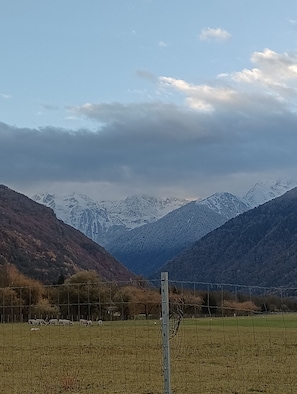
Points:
[85,295]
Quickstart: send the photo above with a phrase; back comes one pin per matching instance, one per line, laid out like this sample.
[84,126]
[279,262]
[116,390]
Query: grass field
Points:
[235,355]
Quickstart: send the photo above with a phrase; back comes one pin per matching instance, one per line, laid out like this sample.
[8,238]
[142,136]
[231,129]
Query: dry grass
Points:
[219,355]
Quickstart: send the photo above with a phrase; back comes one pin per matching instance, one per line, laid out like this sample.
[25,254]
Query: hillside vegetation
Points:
[259,247]
[43,247]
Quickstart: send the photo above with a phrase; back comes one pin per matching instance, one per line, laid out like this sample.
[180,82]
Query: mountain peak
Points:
[41,246]
[102,220]
[256,248]
[225,204]
[267,190]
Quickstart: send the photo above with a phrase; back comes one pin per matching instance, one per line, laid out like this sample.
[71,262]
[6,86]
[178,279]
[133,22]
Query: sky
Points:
[159,97]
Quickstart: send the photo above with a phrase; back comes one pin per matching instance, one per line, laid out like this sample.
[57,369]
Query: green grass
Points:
[235,355]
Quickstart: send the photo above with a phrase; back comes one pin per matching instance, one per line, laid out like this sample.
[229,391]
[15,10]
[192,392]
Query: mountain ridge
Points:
[145,248]
[258,247]
[103,220]
[143,232]
[43,247]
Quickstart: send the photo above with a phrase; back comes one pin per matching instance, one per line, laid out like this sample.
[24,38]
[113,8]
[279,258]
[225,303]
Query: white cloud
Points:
[5,96]
[162,44]
[292,21]
[272,83]
[179,84]
[273,68]
[201,97]
[214,34]
[275,75]
[241,123]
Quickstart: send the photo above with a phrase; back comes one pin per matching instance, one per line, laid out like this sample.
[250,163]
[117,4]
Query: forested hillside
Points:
[259,247]
[43,247]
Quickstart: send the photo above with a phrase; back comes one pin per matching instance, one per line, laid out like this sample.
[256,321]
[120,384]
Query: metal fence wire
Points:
[157,337]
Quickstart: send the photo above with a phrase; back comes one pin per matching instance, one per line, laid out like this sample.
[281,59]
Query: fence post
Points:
[165,332]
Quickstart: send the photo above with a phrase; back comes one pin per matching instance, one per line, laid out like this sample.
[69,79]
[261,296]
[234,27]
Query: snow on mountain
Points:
[136,211]
[145,249]
[225,204]
[143,232]
[102,220]
[266,191]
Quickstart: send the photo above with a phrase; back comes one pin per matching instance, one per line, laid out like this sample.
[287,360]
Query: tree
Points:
[19,293]
[185,302]
[209,304]
[82,295]
[61,279]
[239,308]
[10,303]
[138,301]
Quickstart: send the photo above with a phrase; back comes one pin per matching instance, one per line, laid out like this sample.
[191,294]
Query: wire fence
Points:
[106,337]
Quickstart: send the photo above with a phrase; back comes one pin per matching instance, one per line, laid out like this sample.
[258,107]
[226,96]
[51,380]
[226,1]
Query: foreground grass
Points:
[220,355]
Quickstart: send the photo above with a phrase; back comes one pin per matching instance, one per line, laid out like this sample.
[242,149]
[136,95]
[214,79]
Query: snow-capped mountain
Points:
[268,190]
[103,220]
[145,249]
[256,248]
[225,204]
[144,232]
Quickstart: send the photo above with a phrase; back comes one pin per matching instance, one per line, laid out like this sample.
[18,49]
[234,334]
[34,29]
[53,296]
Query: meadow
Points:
[235,355]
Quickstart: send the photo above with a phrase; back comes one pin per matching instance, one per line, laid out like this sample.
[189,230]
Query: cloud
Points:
[241,126]
[5,96]
[292,21]
[51,107]
[273,69]
[162,44]
[202,97]
[145,74]
[272,85]
[214,34]
[151,146]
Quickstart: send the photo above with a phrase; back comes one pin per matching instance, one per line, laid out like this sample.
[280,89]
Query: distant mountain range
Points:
[144,232]
[258,247]
[103,221]
[218,239]
[148,247]
[267,191]
[43,247]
